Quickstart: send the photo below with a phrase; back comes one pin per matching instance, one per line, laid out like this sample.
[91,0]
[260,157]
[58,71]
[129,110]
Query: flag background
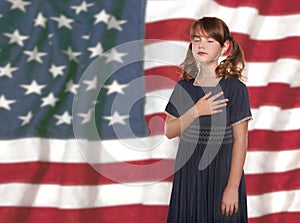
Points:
[45,177]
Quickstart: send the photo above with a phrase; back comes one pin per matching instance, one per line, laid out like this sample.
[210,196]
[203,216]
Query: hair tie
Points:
[230,38]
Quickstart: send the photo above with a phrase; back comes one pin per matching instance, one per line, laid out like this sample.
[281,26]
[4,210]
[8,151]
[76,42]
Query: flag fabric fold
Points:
[83,87]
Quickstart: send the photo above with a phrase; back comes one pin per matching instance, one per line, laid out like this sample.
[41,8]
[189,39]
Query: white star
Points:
[63,21]
[7,70]
[96,50]
[49,100]
[86,37]
[35,55]
[26,119]
[18,4]
[33,88]
[71,87]
[86,116]
[16,37]
[65,118]
[40,20]
[113,23]
[83,7]
[116,118]
[114,55]
[56,70]
[115,87]
[92,84]
[5,103]
[71,54]
[102,16]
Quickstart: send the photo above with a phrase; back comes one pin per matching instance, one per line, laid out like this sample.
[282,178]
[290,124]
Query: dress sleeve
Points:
[239,105]
[173,105]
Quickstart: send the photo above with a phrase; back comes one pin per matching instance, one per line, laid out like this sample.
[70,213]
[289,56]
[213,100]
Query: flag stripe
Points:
[252,24]
[124,214]
[264,118]
[278,161]
[154,31]
[85,174]
[273,7]
[259,140]
[282,201]
[272,182]
[252,48]
[291,217]
[279,92]
[151,194]
[284,70]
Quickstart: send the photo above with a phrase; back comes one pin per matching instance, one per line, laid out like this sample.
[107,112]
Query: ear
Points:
[225,47]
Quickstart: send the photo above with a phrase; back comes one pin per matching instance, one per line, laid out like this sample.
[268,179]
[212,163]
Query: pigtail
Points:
[233,65]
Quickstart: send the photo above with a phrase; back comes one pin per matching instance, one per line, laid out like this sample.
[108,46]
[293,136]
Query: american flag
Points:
[56,56]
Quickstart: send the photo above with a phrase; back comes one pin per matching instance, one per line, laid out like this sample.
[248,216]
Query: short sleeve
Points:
[239,104]
[172,107]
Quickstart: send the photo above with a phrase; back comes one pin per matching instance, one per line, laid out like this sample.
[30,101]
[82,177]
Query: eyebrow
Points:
[193,36]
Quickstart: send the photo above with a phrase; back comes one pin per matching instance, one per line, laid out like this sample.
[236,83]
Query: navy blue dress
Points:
[203,158]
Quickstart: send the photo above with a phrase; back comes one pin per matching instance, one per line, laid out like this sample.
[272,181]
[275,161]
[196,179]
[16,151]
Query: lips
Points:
[201,53]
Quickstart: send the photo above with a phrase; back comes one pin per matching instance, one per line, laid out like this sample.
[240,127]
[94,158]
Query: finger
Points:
[214,97]
[231,210]
[236,208]
[206,96]
[223,208]
[218,104]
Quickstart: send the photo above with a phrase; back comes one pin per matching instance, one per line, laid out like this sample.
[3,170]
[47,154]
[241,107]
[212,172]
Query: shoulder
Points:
[184,84]
[235,83]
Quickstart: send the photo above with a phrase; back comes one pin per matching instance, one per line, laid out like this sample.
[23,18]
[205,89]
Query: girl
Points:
[209,109]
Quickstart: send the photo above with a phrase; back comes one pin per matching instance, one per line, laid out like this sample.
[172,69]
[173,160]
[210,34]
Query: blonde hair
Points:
[232,66]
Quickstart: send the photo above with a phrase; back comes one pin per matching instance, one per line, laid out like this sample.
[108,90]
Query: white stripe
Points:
[258,162]
[73,197]
[173,53]
[241,19]
[275,119]
[275,202]
[82,197]
[116,151]
[282,71]
[259,74]
[80,151]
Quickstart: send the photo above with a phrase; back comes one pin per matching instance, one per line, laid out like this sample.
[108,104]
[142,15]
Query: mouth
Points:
[201,53]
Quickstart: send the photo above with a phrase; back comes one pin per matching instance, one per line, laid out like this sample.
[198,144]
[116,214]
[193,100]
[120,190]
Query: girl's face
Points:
[206,49]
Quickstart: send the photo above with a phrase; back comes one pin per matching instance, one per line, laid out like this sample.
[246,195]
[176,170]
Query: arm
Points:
[240,144]
[204,106]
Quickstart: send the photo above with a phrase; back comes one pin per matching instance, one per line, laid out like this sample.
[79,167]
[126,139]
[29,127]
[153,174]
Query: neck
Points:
[206,70]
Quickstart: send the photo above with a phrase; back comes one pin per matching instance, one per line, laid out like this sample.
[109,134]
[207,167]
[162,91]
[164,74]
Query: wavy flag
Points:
[83,87]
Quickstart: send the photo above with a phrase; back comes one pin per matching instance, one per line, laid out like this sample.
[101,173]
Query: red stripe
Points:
[267,140]
[287,217]
[169,76]
[85,174]
[255,50]
[266,7]
[124,214]
[272,182]
[275,94]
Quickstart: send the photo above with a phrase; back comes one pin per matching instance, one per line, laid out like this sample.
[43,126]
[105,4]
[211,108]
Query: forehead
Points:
[200,32]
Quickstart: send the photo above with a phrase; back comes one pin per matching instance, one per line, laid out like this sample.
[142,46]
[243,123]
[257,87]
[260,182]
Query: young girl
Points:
[209,109]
